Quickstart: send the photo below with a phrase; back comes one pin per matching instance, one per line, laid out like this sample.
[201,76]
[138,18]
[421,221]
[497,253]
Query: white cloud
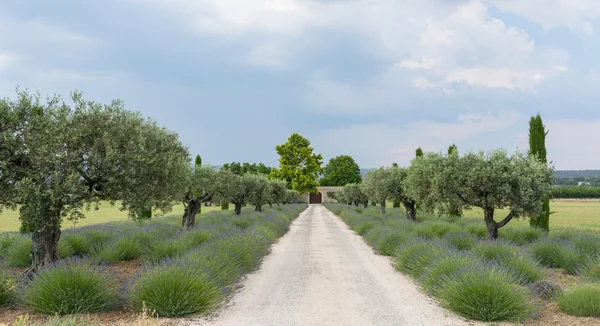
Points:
[574,14]
[267,55]
[453,41]
[380,144]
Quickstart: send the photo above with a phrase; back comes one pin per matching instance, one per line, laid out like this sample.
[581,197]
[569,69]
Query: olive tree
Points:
[57,160]
[355,195]
[376,187]
[232,189]
[200,187]
[291,196]
[396,187]
[491,181]
[276,192]
[257,190]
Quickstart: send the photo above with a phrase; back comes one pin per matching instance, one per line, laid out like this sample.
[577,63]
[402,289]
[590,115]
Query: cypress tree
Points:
[224,206]
[419,152]
[537,147]
[198,160]
[454,211]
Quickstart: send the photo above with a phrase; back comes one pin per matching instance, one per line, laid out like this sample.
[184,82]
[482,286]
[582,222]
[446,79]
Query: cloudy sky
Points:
[370,78]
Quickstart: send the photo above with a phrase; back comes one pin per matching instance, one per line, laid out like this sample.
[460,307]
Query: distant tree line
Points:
[575,192]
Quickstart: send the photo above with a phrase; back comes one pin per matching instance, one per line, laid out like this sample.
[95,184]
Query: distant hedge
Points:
[576,192]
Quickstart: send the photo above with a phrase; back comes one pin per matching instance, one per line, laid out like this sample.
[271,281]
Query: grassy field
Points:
[568,213]
[9,220]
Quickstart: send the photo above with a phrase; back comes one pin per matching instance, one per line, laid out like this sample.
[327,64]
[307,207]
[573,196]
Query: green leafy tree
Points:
[198,161]
[234,167]
[395,202]
[340,171]
[231,188]
[537,148]
[57,160]
[419,152]
[243,168]
[276,192]
[454,210]
[201,187]
[396,188]
[298,166]
[490,181]
[376,187]
[291,196]
[355,195]
[257,187]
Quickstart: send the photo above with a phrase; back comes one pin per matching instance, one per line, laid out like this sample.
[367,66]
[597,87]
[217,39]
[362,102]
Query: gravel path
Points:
[321,273]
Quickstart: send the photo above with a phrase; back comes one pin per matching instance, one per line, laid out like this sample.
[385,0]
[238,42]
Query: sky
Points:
[374,79]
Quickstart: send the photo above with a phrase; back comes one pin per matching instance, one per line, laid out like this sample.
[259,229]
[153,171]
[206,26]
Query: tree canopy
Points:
[376,186]
[243,168]
[56,160]
[487,180]
[340,171]
[298,165]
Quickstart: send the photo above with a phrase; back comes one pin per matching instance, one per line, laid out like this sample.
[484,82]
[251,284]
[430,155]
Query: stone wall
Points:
[323,191]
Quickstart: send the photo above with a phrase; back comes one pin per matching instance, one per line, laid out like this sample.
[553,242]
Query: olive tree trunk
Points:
[238,208]
[382,207]
[411,211]
[492,225]
[258,208]
[44,250]
[189,216]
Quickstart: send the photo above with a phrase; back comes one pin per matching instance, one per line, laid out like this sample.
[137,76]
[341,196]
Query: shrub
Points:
[164,249]
[373,236]
[444,266]
[6,290]
[588,245]
[545,289]
[6,240]
[97,237]
[583,300]
[434,229]
[523,268]
[364,227]
[71,287]
[461,240]
[413,257]
[592,272]
[175,290]
[19,253]
[521,236]
[477,229]
[194,238]
[485,293]
[80,244]
[122,249]
[390,241]
[557,253]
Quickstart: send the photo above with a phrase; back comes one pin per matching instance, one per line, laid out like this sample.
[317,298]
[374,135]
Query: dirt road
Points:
[321,273]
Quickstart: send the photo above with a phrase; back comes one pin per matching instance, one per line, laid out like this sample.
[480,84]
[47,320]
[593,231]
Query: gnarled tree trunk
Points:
[258,208]
[189,217]
[238,208]
[382,207]
[44,250]
[492,226]
[411,211]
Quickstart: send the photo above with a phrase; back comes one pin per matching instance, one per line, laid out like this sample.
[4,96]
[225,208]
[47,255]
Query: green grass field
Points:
[568,213]
[9,219]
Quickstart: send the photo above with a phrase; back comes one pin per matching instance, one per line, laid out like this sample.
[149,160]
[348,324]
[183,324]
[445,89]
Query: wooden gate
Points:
[315,198]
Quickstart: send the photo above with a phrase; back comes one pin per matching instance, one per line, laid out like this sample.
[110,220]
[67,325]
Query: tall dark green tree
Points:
[340,171]
[419,152]
[454,210]
[537,147]
[198,161]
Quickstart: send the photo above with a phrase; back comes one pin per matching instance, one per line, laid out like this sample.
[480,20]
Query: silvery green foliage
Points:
[354,195]
[276,191]
[487,180]
[257,187]
[201,184]
[59,158]
[376,184]
[231,188]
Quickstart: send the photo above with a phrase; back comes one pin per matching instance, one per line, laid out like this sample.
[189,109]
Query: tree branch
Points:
[506,219]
